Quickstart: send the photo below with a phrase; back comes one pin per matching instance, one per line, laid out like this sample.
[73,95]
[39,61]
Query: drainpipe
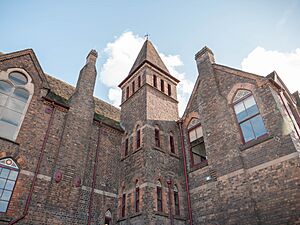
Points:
[37,168]
[185,173]
[94,177]
[169,182]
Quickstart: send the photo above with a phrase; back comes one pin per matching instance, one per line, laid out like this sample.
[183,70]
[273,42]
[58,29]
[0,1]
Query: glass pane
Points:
[18,78]
[2,183]
[9,185]
[3,206]
[6,195]
[3,99]
[258,126]
[5,87]
[199,153]
[21,94]
[13,175]
[192,135]
[240,111]
[7,130]
[247,131]
[16,104]
[11,117]
[251,106]
[4,173]
[199,132]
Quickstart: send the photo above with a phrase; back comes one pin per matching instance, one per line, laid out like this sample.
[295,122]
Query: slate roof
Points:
[148,54]
[61,92]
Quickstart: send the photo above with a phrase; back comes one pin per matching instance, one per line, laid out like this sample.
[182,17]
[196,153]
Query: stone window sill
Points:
[8,140]
[174,155]
[158,149]
[199,166]
[136,215]
[179,217]
[252,143]
[161,214]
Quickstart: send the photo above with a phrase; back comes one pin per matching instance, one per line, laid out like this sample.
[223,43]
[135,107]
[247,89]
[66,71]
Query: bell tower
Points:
[151,159]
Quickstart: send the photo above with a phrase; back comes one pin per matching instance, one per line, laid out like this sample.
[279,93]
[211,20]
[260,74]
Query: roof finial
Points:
[147,36]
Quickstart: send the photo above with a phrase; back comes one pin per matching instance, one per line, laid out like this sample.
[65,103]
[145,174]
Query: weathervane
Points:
[147,36]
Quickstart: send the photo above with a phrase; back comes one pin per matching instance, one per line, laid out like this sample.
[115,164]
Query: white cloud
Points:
[286,64]
[122,53]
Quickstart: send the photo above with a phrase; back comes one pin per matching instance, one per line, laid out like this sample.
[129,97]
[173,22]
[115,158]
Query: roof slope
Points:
[65,91]
[148,53]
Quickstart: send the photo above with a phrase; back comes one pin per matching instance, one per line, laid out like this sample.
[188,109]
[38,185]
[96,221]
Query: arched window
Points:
[123,209]
[137,197]
[172,145]
[197,146]
[157,137]
[126,147]
[138,137]
[248,116]
[9,172]
[14,100]
[176,200]
[159,196]
[107,218]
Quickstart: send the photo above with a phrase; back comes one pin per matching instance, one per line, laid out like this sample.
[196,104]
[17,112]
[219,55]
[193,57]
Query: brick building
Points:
[69,158]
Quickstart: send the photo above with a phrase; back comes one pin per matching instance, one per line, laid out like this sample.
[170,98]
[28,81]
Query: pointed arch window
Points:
[15,94]
[137,197]
[107,218]
[126,147]
[172,145]
[248,117]
[176,201]
[157,137]
[138,137]
[9,172]
[159,196]
[123,206]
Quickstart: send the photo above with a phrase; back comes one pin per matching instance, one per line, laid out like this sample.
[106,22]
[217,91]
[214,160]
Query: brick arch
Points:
[239,86]
[189,117]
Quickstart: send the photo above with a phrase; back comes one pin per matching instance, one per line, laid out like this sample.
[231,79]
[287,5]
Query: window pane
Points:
[199,153]
[18,78]
[2,183]
[3,99]
[251,106]
[13,175]
[9,185]
[11,117]
[5,87]
[7,130]
[258,126]
[21,94]
[3,206]
[192,135]
[247,131]
[6,195]
[16,104]
[4,173]
[199,132]
[240,111]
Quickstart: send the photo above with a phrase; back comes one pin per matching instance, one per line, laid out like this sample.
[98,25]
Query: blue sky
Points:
[62,32]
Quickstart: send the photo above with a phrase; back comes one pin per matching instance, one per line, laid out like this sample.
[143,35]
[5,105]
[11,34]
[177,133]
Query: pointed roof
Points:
[148,54]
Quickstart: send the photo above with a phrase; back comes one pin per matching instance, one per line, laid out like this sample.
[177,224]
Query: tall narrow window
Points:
[176,201]
[139,81]
[9,172]
[162,85]
[137,197]
[123,205]
[159,196]
[169,90]
[107,218]
[127,92]
[248,116]
[198,152]
[138,138]
[157,137]
[172,147]
[133,86]
[126,147]
[14,100]
[154,81]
